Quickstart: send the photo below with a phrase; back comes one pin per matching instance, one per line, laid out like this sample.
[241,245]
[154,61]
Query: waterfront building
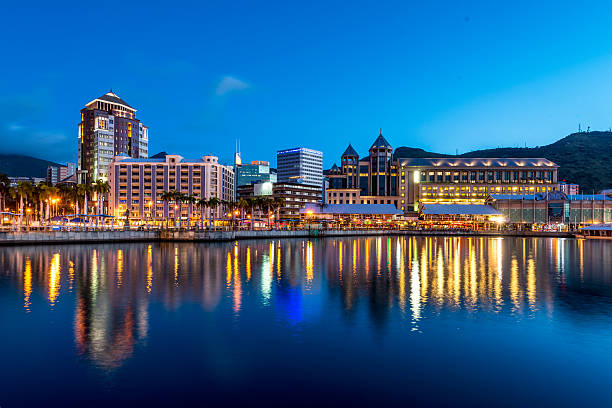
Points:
[295,195]
[300,165]
[569,188]
[386,177]
[17,179]
[256,171]
[597,231]
[55,174]
[553,208]
[353,196]
[137,185]
[354,215]
[460,216]
[472,180]
[108,128]
[374,175]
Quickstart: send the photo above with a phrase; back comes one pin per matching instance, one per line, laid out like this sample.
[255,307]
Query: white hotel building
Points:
[137,185]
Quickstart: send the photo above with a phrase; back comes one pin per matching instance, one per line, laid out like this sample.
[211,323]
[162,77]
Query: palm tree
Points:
[24,190]
[66,192]
[279,202]
[83,190]
[41,194]
[180,198]
[190,200]
[202,203]
[252,202]
[51,193]
[101,188]
[267,203]
[213,203]
[5,184]
[166,197]
[242,204]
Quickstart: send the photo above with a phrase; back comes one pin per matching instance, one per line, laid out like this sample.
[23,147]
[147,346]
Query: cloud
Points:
[229,84]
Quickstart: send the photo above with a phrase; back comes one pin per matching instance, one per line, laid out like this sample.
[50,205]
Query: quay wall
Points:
[81,237]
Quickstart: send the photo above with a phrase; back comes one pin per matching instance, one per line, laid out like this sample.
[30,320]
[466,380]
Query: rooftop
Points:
[458,209]
[380,142]
[474,162]
[361,209]
[599,227]
[350,151]
[112,97]
[553,195]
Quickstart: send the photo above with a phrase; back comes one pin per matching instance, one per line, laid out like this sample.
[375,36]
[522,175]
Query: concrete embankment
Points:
[82,237]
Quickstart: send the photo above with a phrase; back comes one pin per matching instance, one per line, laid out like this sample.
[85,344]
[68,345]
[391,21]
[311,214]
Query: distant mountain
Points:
[16,165]
[584,158]
[414,153]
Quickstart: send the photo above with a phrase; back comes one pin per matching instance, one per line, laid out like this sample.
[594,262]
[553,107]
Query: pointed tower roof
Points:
[112,97]
[334,167]
[381,142]
[350,151]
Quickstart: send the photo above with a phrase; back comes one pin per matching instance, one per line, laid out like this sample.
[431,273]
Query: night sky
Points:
[443,76]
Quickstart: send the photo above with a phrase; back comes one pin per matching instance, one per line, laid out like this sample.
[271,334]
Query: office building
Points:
[55,174]
[108,128]
[256,171]
[472,180]
[295,195]
[300,165]
[137,185]
[569,188]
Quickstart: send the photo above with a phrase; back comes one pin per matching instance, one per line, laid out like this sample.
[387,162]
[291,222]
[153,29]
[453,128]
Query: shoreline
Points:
[95,237]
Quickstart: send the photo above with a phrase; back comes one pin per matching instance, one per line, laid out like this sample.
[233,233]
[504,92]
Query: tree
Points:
[267,203]
[23,190]
[190,200]
[279,202]
[41,193]
[167,197]
[242,204]
[180,198]
[202,203]
[101,188]
[213,203]
[52,193]
[5,184]
[83,190]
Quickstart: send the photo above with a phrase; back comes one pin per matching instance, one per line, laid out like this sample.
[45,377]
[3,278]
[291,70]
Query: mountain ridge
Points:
[20,165]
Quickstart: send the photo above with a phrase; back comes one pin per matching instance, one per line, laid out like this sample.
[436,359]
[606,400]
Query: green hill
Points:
[16,165]
[584,158]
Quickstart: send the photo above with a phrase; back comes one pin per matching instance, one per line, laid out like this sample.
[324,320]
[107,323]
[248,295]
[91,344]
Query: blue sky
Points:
[442,76]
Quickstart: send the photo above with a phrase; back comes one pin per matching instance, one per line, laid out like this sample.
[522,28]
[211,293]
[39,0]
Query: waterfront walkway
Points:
[78,237]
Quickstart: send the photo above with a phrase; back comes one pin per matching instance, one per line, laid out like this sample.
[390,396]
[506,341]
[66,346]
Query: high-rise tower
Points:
[381,154]
[108,128]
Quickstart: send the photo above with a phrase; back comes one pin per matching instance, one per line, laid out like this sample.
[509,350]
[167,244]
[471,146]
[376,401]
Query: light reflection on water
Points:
[403,280]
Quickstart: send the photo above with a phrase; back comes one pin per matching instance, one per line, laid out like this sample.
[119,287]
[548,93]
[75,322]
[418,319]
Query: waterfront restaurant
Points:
[353,215]
[459,216]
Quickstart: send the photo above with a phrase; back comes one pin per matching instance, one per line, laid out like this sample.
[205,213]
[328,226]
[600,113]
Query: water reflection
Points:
[112,287]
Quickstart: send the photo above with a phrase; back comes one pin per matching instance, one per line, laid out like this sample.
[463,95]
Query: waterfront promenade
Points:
[78,237]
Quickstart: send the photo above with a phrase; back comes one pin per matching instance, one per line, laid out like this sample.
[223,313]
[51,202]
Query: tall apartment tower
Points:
[300,165]
[108,128]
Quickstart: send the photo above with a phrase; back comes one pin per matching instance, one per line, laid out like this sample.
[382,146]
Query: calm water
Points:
[441,321]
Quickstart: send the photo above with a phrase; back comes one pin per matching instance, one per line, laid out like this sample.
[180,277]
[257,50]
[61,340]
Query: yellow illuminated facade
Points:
[472,180]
